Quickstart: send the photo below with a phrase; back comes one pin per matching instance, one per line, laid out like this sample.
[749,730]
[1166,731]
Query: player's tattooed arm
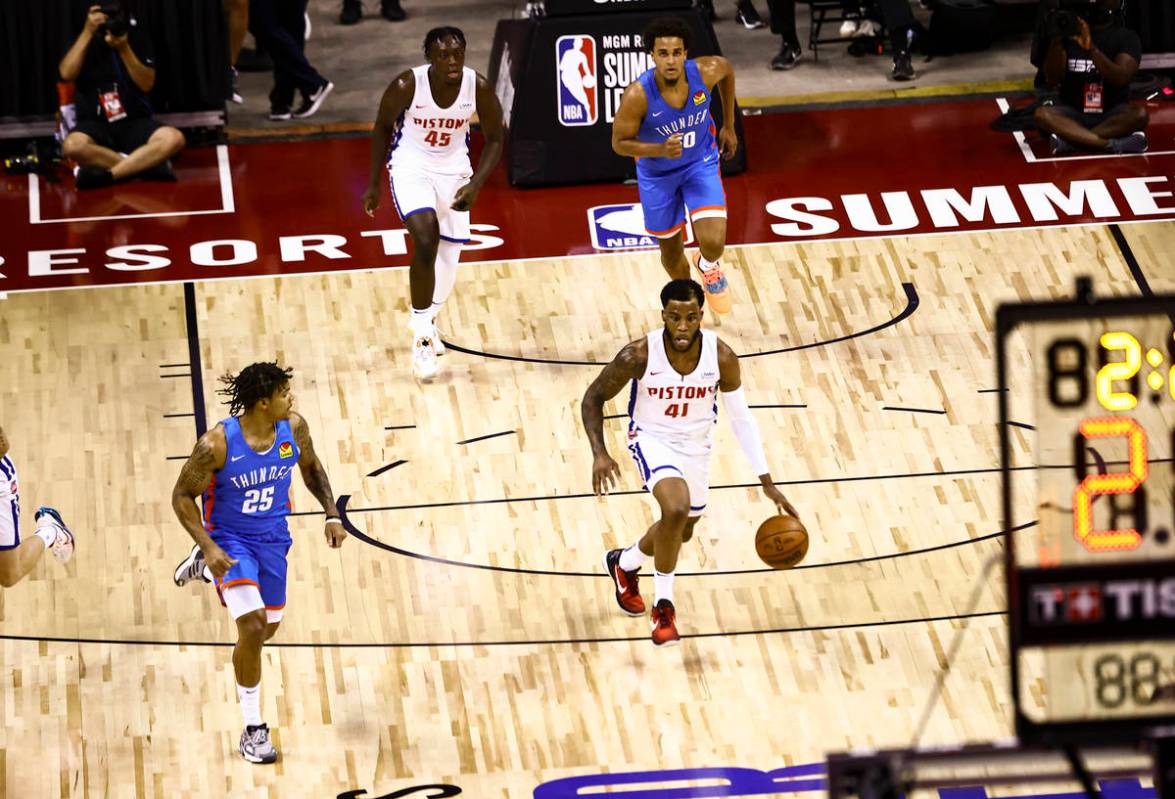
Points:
[628,365]
[207,457]
[395,99]
[313,472]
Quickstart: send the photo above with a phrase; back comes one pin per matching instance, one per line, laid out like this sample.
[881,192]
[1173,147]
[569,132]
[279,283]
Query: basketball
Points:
[781,542]
[589,81]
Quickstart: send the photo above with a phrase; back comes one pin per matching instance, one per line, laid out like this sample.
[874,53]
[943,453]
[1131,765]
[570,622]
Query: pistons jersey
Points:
[249,496]
[9,497]
[434,139]
[678,410]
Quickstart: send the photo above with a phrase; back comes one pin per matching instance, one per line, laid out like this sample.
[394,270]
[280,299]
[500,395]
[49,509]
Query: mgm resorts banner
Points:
[560,80]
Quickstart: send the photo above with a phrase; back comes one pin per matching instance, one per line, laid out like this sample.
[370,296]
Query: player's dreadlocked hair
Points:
[256,382]
[667,28]
[443,32]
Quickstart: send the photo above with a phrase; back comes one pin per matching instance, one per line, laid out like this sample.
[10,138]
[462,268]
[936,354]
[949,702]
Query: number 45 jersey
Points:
[432,139]
[249,497]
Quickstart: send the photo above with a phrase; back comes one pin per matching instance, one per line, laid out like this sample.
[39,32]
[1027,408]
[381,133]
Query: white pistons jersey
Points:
[679,410]
[433,139]
[9,505]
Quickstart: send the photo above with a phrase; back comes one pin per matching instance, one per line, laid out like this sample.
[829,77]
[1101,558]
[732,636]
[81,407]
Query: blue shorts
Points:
[665,197]
[260,563]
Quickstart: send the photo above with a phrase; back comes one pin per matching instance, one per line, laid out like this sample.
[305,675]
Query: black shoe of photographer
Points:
[161,172]
[903,67]
[352,12]
[1133,143]
[748,16]
[787,58]
[312,102]
[391,10]
[94,177]
[1058,146]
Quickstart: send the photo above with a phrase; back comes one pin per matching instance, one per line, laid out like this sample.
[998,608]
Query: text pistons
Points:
[680,392]
[443,124]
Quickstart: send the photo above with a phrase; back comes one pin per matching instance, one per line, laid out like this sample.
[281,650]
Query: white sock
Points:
[445,271]
[632,558]
[48,534]
[420,323]
[433,311]
[705,265]
[250,704]
[662,586]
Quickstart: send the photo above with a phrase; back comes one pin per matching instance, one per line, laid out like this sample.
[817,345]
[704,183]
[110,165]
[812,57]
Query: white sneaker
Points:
[424,359]
[438,345]
[866,28]
[63,544]
[848,28]
[191,568]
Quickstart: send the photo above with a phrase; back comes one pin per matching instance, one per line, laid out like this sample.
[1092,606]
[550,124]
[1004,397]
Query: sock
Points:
[706,265]
[632,558]
[250,704]
[48,534]
[420,323]
[433,310]
[662,586]
[445,270]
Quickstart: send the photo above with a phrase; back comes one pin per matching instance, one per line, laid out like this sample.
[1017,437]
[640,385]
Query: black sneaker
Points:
[278,114]
[903,67]
[1058,146]
[391,11]
[312,102]
[352,12]
[1133,143]
[94,177]
[786,58]
[748,16]
[163,172]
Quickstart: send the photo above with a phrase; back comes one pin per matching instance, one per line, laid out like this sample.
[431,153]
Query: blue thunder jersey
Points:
[250,495]
[693,122]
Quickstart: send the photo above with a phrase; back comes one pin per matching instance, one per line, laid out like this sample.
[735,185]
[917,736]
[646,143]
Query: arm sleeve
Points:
[745,429]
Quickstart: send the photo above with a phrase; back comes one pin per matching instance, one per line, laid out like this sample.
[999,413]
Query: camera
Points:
[117,20]
[1061,23]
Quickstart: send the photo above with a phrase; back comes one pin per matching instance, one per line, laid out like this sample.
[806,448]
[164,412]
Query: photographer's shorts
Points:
[123,136]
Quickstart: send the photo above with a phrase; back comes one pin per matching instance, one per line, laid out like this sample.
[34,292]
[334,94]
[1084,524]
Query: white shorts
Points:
[655,460]
[414,191]
[246,598]
[9,523]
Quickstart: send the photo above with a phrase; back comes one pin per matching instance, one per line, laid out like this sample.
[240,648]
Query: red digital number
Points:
[676,409]
[1116,483]
[437,139]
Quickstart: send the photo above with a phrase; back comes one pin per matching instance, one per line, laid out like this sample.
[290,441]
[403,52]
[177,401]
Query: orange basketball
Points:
[781,542]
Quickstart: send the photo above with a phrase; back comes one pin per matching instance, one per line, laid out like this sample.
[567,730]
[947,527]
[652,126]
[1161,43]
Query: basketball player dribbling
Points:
[241,469]
[675,374]
[17,557]
[664,122]
[424,117]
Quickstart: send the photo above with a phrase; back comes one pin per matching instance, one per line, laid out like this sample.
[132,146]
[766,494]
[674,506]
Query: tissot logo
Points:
[1112,600]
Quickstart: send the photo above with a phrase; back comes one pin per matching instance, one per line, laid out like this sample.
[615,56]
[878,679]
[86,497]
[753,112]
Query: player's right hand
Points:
[218,561]
[371,201]
[95,19]
[672,147]
[605,474]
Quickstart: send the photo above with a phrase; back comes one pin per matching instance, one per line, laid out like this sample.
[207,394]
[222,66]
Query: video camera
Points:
[118,22]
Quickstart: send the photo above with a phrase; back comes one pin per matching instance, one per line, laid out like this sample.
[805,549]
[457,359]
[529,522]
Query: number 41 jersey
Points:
[250,495]
[678,410]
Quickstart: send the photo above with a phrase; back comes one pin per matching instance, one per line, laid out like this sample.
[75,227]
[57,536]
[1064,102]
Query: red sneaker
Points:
[714,282]
[628,595]
[665,624]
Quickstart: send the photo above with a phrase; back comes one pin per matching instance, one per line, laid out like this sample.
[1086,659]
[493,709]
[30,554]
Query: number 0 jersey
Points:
[676,409]
[693,122]
[250,495]
[431,138]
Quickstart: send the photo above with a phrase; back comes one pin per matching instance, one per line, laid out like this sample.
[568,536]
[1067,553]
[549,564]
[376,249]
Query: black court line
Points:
[177,415]
[491,435]
[194,358]
[401,427]
[912,302]
[1131,261]
[177,457]
[536,642]
[173,365]
[1021,424]
[800,405]
[341,504]
[912,410]
[183,375]
[383,469]
[991,390]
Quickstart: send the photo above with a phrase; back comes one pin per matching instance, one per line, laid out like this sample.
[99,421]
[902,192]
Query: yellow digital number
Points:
[1118,370]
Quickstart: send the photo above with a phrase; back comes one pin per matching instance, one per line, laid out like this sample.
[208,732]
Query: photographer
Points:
[115,137]
[1093,63]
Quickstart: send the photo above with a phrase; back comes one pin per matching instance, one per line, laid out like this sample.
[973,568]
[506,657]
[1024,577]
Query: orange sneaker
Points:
[665,624]
[714,282]
[628,595]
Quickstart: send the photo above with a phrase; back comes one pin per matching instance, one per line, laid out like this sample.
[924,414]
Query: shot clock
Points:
[1091,587]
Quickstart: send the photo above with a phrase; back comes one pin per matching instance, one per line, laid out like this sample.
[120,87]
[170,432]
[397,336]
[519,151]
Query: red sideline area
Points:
[813,174]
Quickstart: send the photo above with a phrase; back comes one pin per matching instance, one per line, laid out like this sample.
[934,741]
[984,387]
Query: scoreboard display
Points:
[1091,587]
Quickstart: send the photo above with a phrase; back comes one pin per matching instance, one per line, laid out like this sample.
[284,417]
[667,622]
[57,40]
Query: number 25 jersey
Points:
[250,495]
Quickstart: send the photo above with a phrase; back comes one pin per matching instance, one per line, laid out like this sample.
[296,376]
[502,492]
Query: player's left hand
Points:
[335,533]
[727,142]
[465,197]
[776,496]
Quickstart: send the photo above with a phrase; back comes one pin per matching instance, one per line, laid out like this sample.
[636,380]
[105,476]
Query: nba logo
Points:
[575,66]
[621,226]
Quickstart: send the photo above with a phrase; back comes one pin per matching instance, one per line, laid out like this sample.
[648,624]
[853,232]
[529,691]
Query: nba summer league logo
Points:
[621,226]
[575,66]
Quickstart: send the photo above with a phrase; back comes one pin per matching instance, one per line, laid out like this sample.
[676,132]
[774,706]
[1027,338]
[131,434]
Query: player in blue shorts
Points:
[664,122]
[241,470]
